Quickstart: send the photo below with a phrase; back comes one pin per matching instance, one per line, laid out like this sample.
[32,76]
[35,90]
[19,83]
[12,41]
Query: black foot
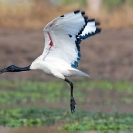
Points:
[72,105]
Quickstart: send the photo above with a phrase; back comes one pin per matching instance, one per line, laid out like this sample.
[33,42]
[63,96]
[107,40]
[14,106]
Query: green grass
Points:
[53,92]
[80,121]
[13,94]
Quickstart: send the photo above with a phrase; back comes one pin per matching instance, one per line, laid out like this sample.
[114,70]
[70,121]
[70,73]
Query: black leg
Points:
[72,101]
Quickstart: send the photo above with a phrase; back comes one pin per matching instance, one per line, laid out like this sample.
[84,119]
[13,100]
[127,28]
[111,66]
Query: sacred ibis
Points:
[61,53]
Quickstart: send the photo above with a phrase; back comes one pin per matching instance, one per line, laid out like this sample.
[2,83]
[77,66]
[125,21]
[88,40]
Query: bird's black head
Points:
[13,68]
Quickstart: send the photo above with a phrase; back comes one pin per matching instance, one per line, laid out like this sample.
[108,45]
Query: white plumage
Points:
[61,53]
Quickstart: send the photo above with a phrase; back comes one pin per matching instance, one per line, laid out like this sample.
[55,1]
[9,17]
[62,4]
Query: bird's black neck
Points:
[14,68]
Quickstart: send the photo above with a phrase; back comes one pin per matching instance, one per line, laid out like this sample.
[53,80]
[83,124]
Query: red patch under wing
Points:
[51,24]
[51,42]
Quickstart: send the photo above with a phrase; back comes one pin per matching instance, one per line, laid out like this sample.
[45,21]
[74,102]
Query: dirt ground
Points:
[107,56]
[50,129]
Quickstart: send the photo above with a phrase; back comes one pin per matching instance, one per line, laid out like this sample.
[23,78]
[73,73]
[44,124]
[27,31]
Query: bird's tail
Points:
[77,72]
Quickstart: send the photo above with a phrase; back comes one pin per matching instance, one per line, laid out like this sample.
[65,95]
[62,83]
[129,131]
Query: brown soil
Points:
[107,56]
[51,129]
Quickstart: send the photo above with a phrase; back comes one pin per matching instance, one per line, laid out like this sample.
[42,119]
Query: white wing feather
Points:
[62,36]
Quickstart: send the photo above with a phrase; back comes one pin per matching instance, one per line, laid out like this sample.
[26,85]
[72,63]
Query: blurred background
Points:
[106,57]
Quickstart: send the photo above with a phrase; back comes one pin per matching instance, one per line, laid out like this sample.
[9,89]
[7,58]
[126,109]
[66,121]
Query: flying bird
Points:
[61,53]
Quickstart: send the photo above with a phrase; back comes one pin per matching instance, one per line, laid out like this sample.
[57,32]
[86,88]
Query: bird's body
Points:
[57,67]
[61,53]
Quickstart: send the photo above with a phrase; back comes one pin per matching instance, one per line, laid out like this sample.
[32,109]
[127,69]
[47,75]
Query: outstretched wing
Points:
[64,34]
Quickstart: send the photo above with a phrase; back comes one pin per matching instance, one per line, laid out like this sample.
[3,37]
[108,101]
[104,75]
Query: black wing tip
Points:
[62,16]
[97,23]
[98,30]
[91,20]
[86,19]
[83,13]
[77,11]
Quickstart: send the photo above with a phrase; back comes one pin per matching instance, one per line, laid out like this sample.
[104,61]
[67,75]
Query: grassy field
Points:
[80,121]
[22,104]
[27,92]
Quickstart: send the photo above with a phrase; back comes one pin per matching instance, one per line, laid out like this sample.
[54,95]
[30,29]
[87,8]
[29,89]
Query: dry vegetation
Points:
[27,15]
[120,18]
[37,14]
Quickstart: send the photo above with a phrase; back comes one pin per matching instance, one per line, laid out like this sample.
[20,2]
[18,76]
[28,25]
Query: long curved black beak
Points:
[13,68]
